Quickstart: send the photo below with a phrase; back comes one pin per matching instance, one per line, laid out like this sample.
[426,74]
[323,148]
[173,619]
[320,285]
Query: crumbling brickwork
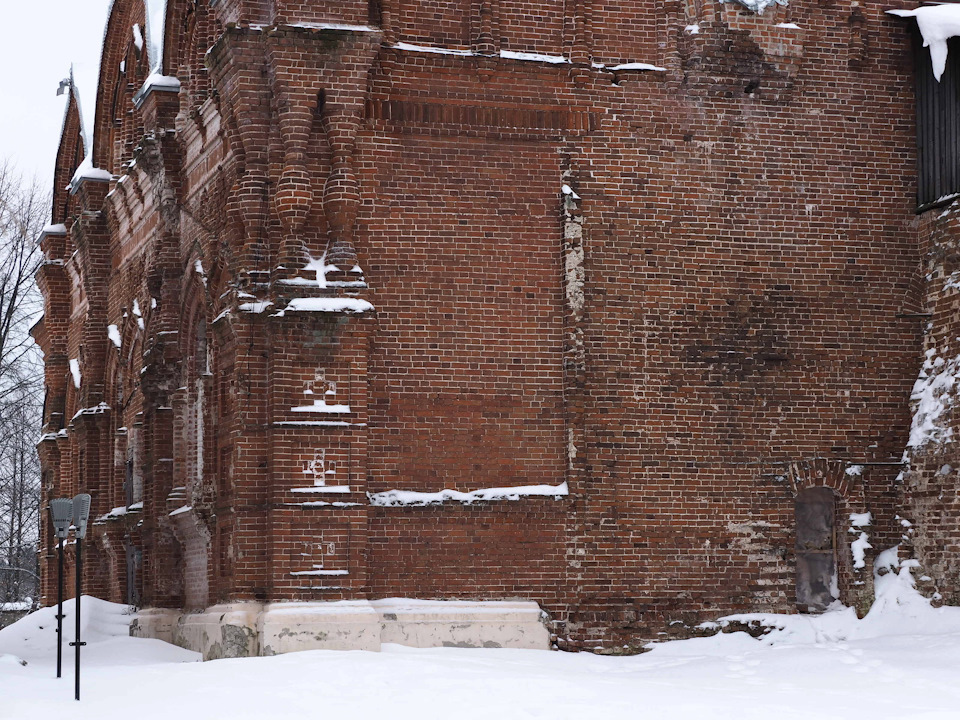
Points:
[927,520]
[658,256]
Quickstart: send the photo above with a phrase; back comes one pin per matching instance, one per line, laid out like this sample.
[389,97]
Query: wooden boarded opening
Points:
[816,549]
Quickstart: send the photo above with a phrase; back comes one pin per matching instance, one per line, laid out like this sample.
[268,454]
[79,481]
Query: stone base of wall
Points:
[158,623]
[248,628]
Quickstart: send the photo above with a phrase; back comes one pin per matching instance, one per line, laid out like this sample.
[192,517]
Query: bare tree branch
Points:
[23,213]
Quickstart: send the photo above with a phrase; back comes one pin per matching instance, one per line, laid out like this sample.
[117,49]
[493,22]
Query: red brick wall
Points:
[715,321]
[628,32]
[444,23]
[466,375]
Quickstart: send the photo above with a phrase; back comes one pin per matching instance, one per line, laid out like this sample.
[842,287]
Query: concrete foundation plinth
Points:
[249,628]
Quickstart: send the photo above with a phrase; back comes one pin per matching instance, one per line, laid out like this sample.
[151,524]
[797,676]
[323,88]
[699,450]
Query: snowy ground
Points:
[899,662]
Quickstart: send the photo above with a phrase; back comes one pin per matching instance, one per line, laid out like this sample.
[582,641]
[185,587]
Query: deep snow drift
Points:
[898,662]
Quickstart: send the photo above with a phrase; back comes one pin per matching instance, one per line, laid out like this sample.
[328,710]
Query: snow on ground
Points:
[105,626]
[21,606]
[898,662]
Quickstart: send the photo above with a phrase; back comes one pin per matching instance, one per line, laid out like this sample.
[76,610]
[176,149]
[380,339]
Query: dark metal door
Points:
[816,549]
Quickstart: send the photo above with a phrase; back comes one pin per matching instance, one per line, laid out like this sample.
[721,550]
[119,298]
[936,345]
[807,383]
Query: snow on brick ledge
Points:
[396,498]
[86,171]
[342,27]
[95,410]
[533,57]
[937,24]
[156,81]
[94,174]
[57,229]
[253,307]
[330,305]
[117,512]
[758,6]
[637,66]
[320,406]
[322,489]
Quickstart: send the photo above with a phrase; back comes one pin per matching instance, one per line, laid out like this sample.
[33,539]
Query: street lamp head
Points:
[61,513]
[81,513]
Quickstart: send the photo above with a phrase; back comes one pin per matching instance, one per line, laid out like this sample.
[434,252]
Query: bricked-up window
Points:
[938,125]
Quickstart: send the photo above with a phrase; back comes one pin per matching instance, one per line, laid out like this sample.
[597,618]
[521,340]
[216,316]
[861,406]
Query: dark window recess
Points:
[938,126]
[134,563]
[128,483]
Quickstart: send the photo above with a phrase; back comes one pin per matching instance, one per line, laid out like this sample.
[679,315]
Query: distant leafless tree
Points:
[23,213]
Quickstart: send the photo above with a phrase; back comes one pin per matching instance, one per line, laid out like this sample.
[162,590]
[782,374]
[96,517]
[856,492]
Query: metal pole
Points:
[59,605]
[61,511]
[81,514]
[77,644]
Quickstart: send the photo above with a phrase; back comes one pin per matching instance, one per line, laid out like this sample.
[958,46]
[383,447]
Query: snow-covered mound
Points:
[102,626]
[897,610]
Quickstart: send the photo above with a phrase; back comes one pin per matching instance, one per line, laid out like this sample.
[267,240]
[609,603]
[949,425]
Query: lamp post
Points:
[61,513]
[81,513]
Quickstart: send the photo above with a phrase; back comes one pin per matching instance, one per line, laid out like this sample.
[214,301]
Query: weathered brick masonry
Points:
[663,252]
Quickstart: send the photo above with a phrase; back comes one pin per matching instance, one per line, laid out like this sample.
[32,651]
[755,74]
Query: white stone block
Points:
[159,623]
[221,631]
[342,625]
[460,623]
[245,629]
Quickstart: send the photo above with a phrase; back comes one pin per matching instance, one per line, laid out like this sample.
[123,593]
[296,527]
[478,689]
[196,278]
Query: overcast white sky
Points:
[38,42]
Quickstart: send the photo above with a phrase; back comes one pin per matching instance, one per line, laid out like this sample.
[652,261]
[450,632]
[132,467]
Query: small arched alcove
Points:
[815,513]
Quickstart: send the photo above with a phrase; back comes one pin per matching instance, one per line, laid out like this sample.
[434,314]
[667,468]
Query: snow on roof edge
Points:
[155,81]
[156,15]
[86,171]
[54,229]
[96,85]
[92,90]
[156,19]
[937,24]
[72,93]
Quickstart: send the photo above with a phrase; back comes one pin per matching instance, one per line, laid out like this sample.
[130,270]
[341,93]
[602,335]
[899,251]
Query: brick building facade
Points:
[652,266]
